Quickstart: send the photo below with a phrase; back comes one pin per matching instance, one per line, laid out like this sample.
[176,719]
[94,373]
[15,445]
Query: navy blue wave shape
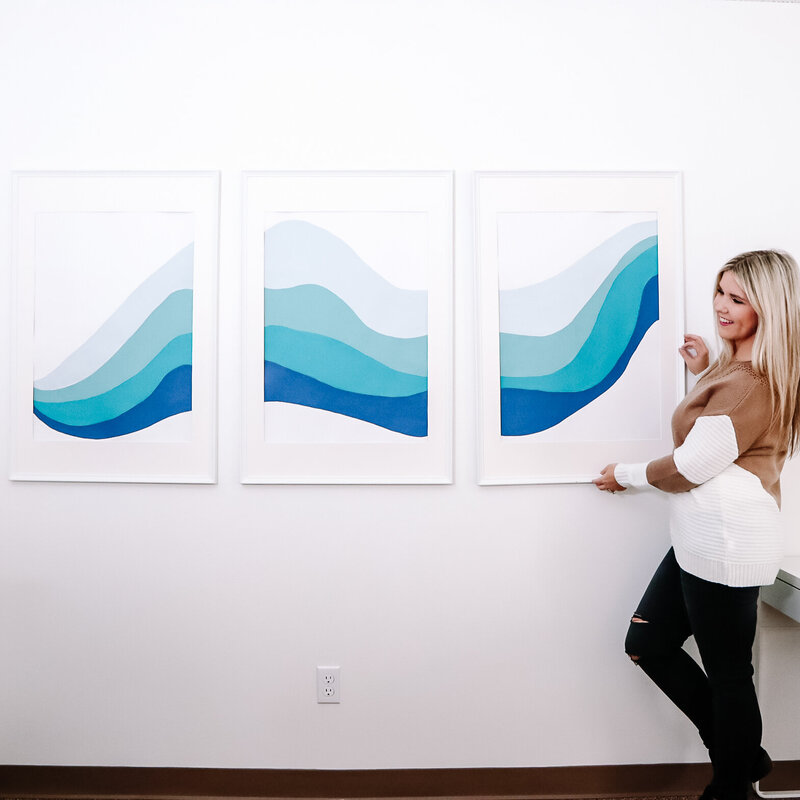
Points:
[525,411]
[172,396]
[408,415]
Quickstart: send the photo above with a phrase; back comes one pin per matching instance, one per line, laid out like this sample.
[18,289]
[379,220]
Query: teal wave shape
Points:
[529,356]
[337,364]
[172,318]
[315,309]
[171,397]
[525,412]
[176,274]
[127,395]
[609,336]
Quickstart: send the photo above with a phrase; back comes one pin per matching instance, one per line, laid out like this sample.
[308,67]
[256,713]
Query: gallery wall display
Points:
[114,364]
[580,318]
[348,327]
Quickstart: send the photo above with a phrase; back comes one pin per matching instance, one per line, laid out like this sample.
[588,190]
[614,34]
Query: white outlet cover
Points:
[329,684]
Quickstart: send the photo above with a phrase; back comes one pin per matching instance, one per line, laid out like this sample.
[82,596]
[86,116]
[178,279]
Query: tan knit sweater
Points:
[723,478]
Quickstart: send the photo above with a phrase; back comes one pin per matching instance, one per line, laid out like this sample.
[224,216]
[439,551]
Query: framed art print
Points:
[114,375]
[348,328]
[580,318]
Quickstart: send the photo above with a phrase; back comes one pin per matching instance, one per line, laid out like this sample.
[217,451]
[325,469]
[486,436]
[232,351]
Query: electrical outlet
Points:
[329,685]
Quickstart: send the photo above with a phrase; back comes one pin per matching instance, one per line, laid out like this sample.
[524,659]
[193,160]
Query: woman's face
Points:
[737,320]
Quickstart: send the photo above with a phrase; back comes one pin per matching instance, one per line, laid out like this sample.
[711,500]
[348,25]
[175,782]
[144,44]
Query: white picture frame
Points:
[568,402]
[373,252]
[115,326]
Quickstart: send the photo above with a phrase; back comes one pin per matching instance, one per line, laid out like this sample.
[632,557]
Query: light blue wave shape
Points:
[609,337]
[337,364]
[175,274]
[315,309]
[541,308]
[526,356]
[297,252]
[127,395]
[170,319]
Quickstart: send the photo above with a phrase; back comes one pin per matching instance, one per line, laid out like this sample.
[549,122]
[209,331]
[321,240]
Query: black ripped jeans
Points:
[721,701]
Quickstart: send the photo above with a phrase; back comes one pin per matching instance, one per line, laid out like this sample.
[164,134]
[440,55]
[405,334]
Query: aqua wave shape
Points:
[136,370]
[319,352]
[545,379]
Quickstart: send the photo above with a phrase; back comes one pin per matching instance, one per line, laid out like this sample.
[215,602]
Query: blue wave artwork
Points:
[546,378]
[338,336]
[136,370]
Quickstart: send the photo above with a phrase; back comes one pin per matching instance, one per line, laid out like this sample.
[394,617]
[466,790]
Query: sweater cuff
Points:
[632,476]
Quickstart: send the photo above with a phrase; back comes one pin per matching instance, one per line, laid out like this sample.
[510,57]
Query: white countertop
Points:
[790,570]
[784,594]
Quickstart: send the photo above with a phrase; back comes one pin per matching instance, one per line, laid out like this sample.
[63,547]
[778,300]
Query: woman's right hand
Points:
[607,482]
[695,353]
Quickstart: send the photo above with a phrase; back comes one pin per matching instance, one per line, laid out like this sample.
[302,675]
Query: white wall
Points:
[180,625]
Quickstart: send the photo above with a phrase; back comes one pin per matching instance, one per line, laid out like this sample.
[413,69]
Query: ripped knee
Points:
[633,635]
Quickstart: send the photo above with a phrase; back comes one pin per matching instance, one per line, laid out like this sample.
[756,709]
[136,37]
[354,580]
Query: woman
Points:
[732,434]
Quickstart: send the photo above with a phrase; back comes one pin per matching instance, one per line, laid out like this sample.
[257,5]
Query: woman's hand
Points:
[607,482]
[695,353]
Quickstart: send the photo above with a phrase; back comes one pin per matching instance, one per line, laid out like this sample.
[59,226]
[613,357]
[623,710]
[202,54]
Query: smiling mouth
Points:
[723,321]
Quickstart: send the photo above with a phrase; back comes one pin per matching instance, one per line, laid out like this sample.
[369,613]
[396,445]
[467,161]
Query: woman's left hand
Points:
[607,482]
[695,353]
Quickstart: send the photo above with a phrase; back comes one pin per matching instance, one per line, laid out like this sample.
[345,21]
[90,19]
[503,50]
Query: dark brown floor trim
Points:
[537,783]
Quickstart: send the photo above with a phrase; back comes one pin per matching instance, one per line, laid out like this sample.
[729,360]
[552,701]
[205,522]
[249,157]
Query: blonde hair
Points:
[771,281]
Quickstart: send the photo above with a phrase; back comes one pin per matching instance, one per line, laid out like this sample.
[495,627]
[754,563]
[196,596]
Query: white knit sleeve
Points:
[632,476]
[708,449]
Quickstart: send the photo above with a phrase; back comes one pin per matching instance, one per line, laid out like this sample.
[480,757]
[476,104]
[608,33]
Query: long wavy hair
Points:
[771,281]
